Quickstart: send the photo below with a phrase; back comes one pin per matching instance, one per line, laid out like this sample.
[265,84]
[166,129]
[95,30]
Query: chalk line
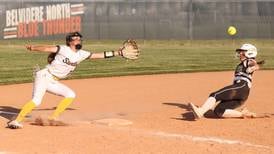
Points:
[208,139]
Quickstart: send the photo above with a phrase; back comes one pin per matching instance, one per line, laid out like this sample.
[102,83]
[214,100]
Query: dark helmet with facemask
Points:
[69,39]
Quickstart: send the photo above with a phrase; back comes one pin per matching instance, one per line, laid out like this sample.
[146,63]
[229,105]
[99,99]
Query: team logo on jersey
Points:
[67,61]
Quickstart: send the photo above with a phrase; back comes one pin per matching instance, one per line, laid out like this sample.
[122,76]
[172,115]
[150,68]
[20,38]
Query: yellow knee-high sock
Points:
[61,107]
[27,108]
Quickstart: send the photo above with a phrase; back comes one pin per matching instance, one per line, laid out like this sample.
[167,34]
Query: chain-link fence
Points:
[146,19]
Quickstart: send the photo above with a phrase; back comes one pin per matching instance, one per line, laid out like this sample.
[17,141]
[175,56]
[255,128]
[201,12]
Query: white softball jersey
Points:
[64,63]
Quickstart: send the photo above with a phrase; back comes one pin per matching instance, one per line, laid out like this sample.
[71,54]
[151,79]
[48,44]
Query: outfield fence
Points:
[140,19]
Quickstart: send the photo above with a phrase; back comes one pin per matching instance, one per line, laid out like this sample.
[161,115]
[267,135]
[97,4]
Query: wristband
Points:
[108,54]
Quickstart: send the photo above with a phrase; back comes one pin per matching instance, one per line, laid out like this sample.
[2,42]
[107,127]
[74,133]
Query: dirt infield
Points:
[157,106]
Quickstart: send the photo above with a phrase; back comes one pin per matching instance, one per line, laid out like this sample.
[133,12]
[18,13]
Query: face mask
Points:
[237,55]
[78,46]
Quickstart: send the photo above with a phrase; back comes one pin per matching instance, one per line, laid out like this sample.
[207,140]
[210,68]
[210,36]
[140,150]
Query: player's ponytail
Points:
[51,57]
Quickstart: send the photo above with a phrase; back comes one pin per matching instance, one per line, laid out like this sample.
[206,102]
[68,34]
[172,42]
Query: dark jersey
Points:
[244,71]
[235,95]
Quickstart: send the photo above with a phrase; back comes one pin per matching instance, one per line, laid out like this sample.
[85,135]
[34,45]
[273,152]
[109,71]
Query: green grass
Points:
[170,56]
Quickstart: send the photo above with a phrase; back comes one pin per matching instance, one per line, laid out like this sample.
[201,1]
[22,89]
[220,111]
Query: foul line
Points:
[193,138]
[207,139]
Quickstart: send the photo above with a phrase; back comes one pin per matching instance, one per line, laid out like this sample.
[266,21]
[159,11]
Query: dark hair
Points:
[70,35]
[51,57]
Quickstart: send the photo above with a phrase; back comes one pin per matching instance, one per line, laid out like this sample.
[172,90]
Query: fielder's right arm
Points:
[42,48]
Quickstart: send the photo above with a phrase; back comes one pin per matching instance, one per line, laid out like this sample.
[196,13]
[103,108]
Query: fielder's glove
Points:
[129,50]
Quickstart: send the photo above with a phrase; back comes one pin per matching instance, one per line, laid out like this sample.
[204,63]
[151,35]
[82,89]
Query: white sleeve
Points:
[251,68]
[85,55]
[245,63]
[61,49]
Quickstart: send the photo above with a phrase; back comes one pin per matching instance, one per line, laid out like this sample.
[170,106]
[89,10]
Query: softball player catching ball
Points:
[63,60]
[233,96]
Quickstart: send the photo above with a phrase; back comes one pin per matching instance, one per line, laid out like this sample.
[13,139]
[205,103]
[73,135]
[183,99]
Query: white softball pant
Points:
[44,81]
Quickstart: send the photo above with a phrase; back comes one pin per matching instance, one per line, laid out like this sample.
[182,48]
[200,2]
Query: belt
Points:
[53,76]
[243,79]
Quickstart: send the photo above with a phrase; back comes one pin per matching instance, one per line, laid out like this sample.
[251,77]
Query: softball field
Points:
[157,107]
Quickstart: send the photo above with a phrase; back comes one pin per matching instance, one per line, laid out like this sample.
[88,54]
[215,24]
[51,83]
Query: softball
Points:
[231,30]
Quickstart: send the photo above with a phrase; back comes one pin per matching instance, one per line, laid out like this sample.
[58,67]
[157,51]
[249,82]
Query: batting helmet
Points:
[70,35]
[250,51]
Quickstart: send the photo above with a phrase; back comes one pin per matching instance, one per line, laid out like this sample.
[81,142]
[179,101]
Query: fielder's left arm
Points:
[106,54]
[129,50]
